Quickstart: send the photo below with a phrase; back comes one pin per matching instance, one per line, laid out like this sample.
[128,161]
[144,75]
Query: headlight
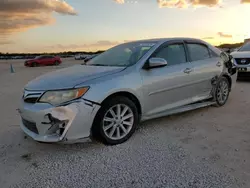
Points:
[58,97]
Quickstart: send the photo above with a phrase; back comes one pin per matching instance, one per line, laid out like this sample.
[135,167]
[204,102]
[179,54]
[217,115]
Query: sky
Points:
[91,25]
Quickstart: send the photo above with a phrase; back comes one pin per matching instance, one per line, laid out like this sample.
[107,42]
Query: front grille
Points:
[242,61]
[30,125]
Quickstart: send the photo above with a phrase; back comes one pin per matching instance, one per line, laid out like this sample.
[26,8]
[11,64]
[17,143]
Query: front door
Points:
[168,87]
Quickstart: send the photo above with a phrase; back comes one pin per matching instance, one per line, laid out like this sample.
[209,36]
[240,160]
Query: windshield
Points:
[122,55]
[245,47]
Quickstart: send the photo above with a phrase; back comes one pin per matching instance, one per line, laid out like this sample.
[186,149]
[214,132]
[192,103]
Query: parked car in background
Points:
[127,84]
[90,57]
[242,60]
[78,57]
[43,61]
[81,56]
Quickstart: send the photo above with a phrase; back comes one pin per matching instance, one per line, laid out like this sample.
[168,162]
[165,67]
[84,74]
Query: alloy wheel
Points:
[222,92]
[118,121]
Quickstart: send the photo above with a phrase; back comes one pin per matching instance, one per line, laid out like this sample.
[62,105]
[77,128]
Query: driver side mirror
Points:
[155,62]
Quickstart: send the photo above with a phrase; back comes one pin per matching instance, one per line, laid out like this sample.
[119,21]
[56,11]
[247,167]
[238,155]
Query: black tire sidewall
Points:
[217,87]
[98,131]
[34,64]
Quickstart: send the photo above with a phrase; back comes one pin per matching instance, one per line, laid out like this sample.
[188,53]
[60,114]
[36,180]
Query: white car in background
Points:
[242,60]
[80,56]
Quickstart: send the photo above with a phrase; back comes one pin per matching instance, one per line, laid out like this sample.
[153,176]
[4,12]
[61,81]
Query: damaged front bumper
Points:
[46,123]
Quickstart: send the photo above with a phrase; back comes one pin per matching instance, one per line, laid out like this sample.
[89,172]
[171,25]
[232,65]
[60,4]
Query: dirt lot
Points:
[209,147]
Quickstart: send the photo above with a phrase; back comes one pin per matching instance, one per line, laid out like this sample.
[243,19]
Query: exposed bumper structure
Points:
[46,123]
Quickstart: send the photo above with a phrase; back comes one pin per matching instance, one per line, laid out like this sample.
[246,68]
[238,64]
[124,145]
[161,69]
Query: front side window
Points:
[198,52]
[173,54]
[122,55]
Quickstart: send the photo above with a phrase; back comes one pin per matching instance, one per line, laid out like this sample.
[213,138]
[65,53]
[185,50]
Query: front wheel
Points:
[116,121]
[221,91]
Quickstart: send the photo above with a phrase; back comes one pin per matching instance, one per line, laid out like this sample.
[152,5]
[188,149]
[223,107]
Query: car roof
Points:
[156,40]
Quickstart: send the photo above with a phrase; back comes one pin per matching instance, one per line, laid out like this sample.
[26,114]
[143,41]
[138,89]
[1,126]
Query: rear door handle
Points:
[218,64]
[188,70]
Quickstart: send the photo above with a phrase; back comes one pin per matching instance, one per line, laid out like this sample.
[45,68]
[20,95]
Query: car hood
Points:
[70,77]
[239,54]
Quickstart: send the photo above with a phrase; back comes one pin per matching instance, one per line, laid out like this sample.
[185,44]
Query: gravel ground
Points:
[209,147]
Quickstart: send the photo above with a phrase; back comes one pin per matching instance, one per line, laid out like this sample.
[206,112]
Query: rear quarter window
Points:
[213,53]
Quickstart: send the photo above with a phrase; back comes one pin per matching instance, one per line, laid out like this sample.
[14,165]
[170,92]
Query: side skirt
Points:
[185,108]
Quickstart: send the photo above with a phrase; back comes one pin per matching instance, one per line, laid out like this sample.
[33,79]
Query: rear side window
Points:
[198,52]
[173,54]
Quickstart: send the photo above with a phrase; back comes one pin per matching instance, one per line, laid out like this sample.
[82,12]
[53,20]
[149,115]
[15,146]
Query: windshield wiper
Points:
[97,65]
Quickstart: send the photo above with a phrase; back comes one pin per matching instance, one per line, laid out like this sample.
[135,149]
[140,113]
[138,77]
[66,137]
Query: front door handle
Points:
[188,70]
[218,64]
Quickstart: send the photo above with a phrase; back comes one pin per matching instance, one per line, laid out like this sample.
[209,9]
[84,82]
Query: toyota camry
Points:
[111,94]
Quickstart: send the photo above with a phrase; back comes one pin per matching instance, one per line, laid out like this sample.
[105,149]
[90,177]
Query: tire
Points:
[222,91]
[34,64]
[111,130]
[56,63]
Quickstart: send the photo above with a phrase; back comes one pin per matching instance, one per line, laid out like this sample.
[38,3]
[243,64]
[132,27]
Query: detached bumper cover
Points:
[47,123]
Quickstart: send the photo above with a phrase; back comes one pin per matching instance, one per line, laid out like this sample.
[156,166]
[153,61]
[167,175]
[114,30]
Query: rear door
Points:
[206,64]
[49,60]
[168,87]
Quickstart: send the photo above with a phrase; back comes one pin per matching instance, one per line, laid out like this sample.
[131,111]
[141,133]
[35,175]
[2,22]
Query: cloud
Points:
[21,15]
[120,1]
[208,38]
[98,44]
[180,3]
[223,35]
[4,42]
[105,43]
[172,3]
[245,1]
[209,3]
[187,3]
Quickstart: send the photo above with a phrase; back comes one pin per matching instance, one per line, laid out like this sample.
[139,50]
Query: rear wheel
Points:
[221,92]
[116,121]
[34,64]
[57,63]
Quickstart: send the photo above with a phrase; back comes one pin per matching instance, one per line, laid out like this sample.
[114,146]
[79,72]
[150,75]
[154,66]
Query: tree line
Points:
[70,53]
[62,54]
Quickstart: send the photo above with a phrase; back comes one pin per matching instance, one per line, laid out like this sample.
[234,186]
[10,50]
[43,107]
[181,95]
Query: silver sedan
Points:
[107,97]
